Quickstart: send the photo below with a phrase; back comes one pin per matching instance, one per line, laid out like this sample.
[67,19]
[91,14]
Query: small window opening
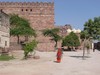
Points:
[5,43]
[26,9]
[22,9]
[30,9]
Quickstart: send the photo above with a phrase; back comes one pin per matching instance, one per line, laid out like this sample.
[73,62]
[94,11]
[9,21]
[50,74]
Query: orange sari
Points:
[59,55]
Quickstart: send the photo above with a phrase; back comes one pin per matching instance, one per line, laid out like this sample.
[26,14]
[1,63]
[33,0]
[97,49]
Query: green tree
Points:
[54,33]
[71,40]
[20,27]
[16,21]
[29,48]
[93,27]
[84,35]
[27,32]
[15,32]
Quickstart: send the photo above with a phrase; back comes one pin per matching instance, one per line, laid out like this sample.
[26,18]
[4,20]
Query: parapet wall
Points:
[31,4]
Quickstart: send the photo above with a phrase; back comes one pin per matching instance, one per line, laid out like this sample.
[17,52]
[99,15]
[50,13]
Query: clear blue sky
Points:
[74,12]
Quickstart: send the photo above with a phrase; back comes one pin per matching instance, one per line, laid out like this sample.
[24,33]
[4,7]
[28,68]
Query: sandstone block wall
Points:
[39,14]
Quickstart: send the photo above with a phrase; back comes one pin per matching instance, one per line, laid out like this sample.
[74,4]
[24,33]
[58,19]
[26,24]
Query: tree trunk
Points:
[83,53]
[84,50]
[18,39]
[56,45]
[69,48]
[26,38]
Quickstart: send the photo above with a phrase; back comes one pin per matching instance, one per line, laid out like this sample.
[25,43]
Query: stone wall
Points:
[4,30]
[39,14]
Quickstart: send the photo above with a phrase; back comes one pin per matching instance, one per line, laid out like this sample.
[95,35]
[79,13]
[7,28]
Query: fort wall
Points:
[39,14]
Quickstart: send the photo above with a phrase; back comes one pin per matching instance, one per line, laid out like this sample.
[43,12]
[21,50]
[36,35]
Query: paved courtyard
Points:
[72,64]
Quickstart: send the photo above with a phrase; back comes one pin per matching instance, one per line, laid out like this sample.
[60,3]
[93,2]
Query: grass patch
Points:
[6,57]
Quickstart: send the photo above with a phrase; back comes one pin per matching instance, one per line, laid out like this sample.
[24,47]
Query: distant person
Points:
[95,47]
[59,55]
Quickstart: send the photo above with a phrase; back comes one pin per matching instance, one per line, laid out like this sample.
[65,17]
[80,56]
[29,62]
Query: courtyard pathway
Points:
[72,64]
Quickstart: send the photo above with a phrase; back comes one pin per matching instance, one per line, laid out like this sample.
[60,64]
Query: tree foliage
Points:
[71,40]
[20,27]
[16,21]
[54,33]
[84,35]
[29,47]
[93,27]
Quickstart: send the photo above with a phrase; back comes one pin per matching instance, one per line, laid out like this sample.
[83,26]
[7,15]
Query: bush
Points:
[71,40]
[29,47]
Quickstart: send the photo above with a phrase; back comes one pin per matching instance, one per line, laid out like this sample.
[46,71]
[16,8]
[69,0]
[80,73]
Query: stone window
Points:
[26,9]
[30,9]
[21,9]
[5,43]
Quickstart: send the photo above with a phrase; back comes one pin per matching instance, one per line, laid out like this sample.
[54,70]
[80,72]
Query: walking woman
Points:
[59,55]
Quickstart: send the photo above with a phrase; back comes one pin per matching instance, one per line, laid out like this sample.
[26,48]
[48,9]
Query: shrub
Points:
[29,47]
[71,40]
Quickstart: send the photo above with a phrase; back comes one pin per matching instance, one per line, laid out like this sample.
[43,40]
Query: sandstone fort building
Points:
[40,16]
[38,13]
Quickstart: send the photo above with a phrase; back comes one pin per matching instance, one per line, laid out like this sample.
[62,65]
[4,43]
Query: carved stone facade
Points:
[4,30]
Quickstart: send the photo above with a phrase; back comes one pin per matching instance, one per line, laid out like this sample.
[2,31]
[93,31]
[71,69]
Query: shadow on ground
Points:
[80,56]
